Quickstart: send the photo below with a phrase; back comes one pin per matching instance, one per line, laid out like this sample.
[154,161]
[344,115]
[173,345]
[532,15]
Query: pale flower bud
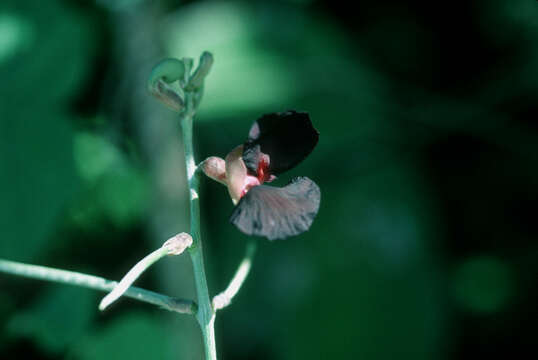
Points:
[178,243]
[215,168]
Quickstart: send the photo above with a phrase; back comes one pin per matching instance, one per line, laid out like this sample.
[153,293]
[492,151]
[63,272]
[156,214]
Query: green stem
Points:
[96,283]
[173,246]
[205,314]
[131,276]
[225,298]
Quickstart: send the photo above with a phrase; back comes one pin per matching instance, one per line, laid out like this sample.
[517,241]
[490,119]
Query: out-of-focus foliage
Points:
[44,53]
[52,321]
[116,340]
[425,246]
[483,284]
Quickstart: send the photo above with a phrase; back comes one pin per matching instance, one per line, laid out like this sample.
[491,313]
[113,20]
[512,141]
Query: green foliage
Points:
[483,284]
[132,336]
[57,320]
[94,156]
[46,52]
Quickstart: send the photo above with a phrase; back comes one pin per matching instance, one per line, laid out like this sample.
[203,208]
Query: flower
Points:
[276,143]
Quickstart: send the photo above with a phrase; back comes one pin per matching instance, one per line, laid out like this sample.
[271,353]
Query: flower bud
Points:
[167,95]
[215,168]
[168,70]
[160,82]
[197,79]
[178,243]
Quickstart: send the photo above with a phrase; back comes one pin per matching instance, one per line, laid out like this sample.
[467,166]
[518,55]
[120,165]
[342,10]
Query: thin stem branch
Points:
[205,314]
[225,298]
[173,246]
[131,276]
[96,283]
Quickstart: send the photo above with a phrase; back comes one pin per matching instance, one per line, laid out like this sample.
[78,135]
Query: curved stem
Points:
[131,276]
[96,283]
[205,314]
[225,298]
[173,246]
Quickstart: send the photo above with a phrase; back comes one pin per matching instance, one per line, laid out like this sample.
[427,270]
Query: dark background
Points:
[425,246]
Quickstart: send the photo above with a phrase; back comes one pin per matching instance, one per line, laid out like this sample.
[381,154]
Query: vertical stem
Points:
[205,314]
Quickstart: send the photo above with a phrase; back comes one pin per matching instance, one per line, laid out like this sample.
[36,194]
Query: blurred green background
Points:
[425,246]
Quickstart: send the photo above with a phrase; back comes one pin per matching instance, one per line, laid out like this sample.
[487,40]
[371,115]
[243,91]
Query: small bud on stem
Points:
[197,79]
[163,75]
[171,78]
[173,246]
[167,95]
[177,244]
[215,168]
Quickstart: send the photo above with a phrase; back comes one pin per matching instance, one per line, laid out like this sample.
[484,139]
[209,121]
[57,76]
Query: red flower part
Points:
[276,143]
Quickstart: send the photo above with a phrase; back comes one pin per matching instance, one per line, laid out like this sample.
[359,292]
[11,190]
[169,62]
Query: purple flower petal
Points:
[277,213]
[287,138]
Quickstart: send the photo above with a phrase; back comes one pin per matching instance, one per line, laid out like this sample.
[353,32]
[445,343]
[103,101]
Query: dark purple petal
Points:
[277,213]
[287,138]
